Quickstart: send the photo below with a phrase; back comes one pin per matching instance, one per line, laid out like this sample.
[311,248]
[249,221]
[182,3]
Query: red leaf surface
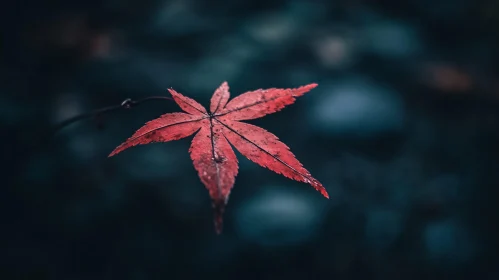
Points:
[210,151]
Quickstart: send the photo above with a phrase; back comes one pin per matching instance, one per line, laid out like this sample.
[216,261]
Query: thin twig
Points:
[126,104]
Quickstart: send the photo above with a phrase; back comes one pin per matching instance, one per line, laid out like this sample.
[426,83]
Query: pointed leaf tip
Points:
[187,104]
[303,89]
[319,187]
[324,193]
[114,152]
[220,98]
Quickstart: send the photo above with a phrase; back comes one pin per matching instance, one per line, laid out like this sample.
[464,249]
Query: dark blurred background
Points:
[403,132]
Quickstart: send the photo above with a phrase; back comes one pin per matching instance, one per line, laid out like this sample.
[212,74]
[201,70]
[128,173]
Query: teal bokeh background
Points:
[402,131]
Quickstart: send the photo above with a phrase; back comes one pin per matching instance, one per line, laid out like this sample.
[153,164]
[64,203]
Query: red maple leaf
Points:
[210,150]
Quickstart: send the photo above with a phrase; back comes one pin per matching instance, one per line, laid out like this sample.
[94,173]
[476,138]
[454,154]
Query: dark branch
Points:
[126,104]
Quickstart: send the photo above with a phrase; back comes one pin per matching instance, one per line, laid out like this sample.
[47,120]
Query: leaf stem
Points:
[126,104]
